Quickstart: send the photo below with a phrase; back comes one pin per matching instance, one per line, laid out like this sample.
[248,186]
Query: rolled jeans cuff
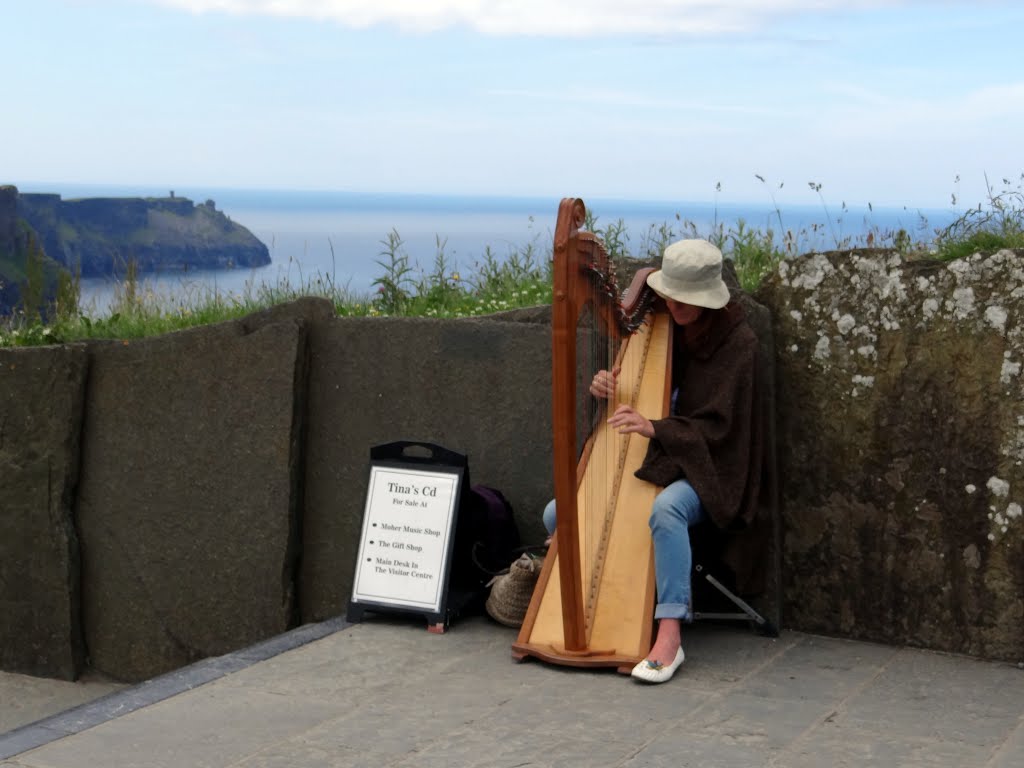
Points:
[679,611]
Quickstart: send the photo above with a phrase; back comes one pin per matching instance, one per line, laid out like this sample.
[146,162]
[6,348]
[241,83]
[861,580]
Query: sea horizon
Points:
[340,235]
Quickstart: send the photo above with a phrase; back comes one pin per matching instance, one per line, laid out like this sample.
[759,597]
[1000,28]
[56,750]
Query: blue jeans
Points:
[676,508]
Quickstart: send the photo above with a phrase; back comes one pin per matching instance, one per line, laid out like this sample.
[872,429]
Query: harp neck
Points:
[584,274]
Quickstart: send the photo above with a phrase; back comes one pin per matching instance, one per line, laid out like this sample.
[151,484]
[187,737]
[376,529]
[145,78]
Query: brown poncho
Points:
[714,437]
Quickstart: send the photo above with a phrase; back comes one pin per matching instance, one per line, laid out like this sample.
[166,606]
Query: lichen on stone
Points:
[888,320]
[1009,370]
[929,307]
[996,317]
[961,305]
[818,267]
[997,486]
[822,349]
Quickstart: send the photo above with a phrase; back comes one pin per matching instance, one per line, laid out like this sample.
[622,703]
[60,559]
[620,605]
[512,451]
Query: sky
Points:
[888,103]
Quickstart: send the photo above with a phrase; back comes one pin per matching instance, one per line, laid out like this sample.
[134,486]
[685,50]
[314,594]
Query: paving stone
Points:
[205,727]
[387,693]
[934,696]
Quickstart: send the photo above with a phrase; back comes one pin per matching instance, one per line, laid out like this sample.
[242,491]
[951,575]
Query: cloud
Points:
[545,18]
[998,100]
[616,99]
[986,108]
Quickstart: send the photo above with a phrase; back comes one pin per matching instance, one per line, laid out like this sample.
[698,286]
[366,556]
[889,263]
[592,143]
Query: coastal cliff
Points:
[22,260]
[102,236]
[9,248]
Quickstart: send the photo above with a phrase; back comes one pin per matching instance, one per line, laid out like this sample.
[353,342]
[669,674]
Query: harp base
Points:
[623,663]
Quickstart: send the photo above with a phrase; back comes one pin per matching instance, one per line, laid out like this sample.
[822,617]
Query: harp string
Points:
[588,502]
[597,502]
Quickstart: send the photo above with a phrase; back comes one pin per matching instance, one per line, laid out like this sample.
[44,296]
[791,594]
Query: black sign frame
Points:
[416,461]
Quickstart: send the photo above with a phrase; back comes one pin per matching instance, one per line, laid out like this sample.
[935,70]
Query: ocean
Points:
[339,236]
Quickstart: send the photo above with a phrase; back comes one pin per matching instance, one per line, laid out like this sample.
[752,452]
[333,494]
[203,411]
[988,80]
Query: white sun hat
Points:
[691,273]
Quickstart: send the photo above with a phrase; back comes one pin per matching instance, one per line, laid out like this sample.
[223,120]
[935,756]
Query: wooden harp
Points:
[594,601]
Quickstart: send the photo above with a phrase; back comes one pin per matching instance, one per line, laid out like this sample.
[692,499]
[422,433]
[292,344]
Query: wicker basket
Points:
[511,592]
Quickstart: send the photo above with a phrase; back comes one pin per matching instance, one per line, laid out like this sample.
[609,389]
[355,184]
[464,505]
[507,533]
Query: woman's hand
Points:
[603,383]
[627,419]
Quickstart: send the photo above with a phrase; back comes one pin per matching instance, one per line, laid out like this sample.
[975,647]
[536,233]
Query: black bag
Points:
[487,538]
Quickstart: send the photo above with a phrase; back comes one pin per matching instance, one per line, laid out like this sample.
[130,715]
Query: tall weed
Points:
[394,286]
[999,225]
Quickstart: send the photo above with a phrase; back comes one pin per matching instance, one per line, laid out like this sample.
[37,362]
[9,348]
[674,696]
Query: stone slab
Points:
[28,699]
[901,446]
[190,491]
[41,396]
[477,387]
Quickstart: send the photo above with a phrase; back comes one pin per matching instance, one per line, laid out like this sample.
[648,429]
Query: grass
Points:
[987,228]
[522,278]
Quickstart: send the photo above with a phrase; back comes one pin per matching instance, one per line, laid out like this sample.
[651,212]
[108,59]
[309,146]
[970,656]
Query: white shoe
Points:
[655,671]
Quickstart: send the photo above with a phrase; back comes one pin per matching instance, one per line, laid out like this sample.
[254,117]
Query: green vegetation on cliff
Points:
[47,243]
[29,280]
[101,236]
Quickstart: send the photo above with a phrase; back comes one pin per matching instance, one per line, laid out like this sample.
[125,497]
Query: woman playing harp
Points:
[705,455]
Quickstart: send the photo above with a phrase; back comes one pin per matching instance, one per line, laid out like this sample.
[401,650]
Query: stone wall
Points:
[186,495]
[901,437]
[218,492]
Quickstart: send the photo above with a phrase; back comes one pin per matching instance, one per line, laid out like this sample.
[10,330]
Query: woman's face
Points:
[683,314]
